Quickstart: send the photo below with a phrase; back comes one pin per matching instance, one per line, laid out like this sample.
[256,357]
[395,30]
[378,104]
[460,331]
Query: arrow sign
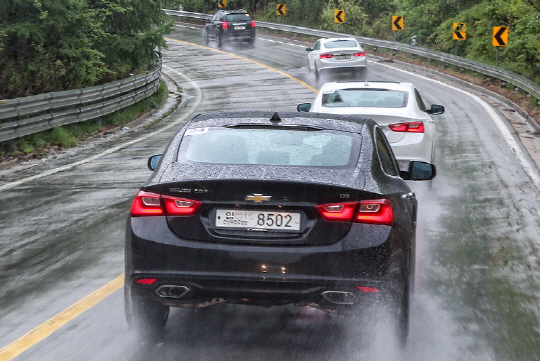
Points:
[222,3]
[460,31]
[339,16]
[500,35]
[281,9]
[397,23]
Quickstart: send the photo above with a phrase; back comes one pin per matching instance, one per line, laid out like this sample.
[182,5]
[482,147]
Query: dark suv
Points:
[230,25]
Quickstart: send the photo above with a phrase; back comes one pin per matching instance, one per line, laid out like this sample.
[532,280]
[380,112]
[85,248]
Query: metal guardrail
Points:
[20,117]
[519,82]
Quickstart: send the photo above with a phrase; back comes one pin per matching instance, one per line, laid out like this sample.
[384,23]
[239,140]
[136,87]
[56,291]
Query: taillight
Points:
[181,206]
[152,204]
[326,56]
[337,211]
[146,281]
[411,127]
[225,25]
[378,211]
[146,204]
[359,54]
[252,24]
[368,289]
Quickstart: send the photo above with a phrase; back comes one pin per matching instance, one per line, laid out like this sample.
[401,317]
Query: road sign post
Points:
[281,10]
[339,18]
[460,33]
[500,38]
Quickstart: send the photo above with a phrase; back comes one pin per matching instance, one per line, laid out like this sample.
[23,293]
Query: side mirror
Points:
[436,109]
[304,107]
[309,49]
[206,21]
[419,171]
[153,161]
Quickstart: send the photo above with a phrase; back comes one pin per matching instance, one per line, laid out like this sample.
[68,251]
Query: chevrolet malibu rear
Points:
[268,210]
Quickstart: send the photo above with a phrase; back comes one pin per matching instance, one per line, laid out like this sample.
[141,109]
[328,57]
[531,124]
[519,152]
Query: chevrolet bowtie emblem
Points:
[258,198]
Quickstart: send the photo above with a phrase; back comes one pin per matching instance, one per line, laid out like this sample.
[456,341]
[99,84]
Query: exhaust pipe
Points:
[172,291]
[340,297]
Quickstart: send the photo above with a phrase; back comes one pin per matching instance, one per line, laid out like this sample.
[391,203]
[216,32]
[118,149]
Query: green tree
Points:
[52,45]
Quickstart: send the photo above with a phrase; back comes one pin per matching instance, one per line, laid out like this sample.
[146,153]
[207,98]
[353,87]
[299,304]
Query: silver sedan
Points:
[336,53]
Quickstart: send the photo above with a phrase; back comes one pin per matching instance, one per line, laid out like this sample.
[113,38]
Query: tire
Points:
[205,37]
[316,72]
[219,40]
[400,309]
[146,317]
[251,42]
[308,68]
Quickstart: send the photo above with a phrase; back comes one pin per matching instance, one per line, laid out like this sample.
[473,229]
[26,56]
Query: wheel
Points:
[219,40]
[400,308]
[205,37]
[251,42]
[146,317]
[316,72]
[308,67]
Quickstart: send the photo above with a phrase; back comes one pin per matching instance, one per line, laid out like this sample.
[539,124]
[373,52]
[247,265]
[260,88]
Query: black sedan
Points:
[272,209]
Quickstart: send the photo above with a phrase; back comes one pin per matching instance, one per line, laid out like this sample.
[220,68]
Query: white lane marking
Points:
[188,113]
[523,158]
[281,42]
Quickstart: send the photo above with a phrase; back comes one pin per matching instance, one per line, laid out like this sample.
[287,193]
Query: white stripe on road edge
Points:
[523,158]
[190,110]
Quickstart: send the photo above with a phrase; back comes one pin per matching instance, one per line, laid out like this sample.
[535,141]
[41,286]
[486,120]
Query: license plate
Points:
[342,57]
[239,27]
[285,221]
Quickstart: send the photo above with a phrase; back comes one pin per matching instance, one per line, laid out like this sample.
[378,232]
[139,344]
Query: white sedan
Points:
[336,53]
[397,107]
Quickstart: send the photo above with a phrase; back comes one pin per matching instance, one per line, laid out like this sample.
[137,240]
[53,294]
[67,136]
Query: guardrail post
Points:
[503,83]
[374,49]
[516,90]
[394,52]
[461,70]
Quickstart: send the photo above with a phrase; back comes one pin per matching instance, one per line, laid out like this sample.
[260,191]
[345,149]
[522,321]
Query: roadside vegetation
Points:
[431,21]
[54,45]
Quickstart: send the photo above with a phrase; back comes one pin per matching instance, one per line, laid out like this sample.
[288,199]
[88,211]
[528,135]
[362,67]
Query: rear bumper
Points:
[238,36]
[260,275]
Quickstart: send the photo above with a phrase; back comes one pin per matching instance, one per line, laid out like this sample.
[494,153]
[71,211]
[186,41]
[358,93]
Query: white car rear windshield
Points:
[341,44]
[264,146]
[360,97]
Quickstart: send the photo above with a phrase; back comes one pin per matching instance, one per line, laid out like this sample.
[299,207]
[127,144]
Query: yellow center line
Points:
[251,61]
[45,329]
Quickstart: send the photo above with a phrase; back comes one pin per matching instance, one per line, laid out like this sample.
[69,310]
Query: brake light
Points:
[153,204]
[146,281]
[225,25]
[180,206]
[378,211]
[359,54]
[146,204]
[411,127]
[252,23]
[337,212]
[326,56]
[368,289]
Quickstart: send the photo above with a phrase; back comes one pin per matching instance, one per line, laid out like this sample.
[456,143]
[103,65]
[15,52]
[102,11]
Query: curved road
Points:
[478,280]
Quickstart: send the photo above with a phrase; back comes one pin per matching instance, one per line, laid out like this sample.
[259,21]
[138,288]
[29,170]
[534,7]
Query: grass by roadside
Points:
[38,145]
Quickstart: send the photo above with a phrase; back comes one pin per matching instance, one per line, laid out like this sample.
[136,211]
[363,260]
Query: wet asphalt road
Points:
[478,281]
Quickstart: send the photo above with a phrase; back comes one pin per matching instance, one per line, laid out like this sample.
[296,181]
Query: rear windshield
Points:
[238,17]
[376,98]
[264,146]
[341,44]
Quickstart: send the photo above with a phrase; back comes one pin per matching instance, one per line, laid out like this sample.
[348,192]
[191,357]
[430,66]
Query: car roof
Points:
[239,11]
[367,84]
[326,40]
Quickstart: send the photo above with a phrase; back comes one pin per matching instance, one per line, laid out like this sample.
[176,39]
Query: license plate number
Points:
[286,221]
[342,57]
[239,27]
